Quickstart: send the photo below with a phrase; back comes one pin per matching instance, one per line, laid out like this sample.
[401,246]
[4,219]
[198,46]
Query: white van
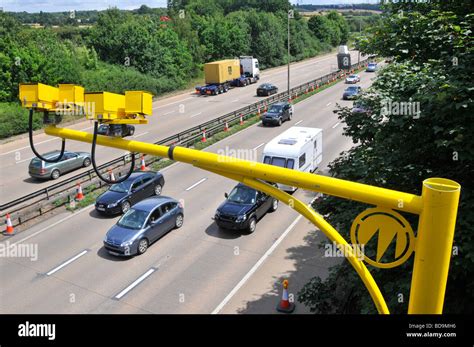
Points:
[298,148]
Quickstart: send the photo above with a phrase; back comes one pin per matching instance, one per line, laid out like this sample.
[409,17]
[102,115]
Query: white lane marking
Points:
[23,160]
[135,283]
[235,100]
[194,115]
[196,184]
[335,125]
[298,122]
[167,113]
[146,132]
[260,145]
[67,262]
[52,225]
[21,148]
[255,267]
[329,103]
[171,103]
[39,143]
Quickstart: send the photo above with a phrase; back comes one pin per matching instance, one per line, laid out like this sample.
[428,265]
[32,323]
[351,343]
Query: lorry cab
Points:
[298,148]
[250,67]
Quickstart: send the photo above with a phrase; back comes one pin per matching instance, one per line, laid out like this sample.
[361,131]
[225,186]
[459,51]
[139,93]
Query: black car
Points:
[125,130]
[243,207]
[266,89]
[277,114]
[120,197]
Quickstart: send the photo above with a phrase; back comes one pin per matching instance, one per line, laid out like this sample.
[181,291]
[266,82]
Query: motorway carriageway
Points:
[190,270]
[170,116]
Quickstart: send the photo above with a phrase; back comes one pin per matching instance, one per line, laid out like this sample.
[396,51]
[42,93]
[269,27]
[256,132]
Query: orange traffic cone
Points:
[79,195]
[285,305]
[9,230]
[258,110]
[203,139]
[142,164]
[111,175]
[241,120]
[226,127]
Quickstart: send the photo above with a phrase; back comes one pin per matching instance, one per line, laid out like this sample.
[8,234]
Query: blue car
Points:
[143,224]
[371,67]
[351,92]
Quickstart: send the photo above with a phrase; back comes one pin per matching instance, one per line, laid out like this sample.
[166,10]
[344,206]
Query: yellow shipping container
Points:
[71,94]
[222,71]
[38,95]
[104,105]
[137,101]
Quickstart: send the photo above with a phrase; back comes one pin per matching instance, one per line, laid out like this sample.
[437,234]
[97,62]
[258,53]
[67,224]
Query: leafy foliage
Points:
[400,151]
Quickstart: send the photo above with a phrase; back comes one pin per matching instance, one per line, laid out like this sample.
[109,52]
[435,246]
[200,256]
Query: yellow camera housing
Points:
[112,108]
[71,94]
[38,96]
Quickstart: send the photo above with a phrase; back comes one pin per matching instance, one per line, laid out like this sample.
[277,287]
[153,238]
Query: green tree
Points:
[399,151]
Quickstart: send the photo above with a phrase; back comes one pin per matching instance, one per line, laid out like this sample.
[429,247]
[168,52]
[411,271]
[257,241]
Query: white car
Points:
[352,79]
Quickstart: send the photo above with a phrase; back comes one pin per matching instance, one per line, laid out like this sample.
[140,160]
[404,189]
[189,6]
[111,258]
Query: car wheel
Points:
[125,206]
[274,206]
[86,162]
[132,131]
[158,189]
[179,221]
[290,116]
[279,122]
[55,174]
[252,225]
[142,246]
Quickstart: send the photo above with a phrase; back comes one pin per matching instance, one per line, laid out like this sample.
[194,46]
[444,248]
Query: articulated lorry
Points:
[221,75]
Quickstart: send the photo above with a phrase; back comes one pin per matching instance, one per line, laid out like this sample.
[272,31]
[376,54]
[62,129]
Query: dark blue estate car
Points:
[120,197]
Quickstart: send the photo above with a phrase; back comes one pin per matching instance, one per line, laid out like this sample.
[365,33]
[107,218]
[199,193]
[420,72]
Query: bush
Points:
[117,79]
[14,119]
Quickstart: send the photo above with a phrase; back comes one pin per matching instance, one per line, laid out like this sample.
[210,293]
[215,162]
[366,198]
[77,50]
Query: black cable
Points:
[30,130]
[94,140]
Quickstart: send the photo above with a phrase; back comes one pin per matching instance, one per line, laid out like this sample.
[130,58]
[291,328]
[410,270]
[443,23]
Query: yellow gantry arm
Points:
[328,185]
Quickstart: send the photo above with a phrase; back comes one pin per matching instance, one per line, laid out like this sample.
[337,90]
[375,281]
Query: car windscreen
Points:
[133,219]
[352,89]
[242,195]
[122,187]
[275,109]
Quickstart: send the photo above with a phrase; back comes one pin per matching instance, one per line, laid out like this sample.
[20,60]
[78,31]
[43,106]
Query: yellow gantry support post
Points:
[434,245]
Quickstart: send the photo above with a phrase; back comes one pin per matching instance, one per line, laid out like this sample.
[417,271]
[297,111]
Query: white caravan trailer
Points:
[297,148]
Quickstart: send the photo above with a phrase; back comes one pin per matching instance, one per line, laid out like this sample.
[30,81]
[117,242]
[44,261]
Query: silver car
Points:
[70,161]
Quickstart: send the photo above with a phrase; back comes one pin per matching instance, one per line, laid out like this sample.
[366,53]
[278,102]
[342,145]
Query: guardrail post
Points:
[47,193]
[434,245]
